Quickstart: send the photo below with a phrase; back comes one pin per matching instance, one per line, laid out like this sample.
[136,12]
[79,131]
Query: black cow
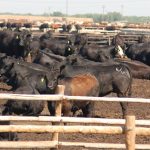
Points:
[8,136]
[81,39]
[25,108]
[2,24]
[64,28]
[27,80]
[48,59]
[98,53]
[18,70]
[5,136]
[47,35]
[27,25]
[14,43]
[110,28]
[140,52]
[9,42]
[139,70]
[44,26]
[78,27]
[16,26]
[57,47]
[101,54]
[119,40]
[115,78]
[144,39]
[32,48]
[8,25]
[68,28]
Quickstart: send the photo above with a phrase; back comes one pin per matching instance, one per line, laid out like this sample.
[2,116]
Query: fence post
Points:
[130,132]
[60,90]
[109,41]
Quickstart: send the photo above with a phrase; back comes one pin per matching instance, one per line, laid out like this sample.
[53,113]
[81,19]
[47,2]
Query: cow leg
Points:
[67,108]
[124,105]
[51,108]
[7,111]
[88,110]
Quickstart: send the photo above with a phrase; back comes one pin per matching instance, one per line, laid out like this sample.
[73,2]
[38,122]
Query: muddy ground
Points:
[140,88]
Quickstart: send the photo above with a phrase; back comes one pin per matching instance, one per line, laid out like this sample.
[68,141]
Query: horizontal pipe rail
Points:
[53,144]
[71,129]
[28,144]
[93,145]
[56,97]
[107,99]
[62,129]
[104,145]
[72,120]
[6,96]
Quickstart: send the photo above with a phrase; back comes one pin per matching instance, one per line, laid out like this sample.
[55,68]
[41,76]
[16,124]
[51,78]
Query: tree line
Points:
[110,16]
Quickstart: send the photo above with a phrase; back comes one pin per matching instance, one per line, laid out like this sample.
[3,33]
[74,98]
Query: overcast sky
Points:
[126,7]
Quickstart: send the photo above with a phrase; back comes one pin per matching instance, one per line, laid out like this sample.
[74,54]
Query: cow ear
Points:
[3,55]
[46,79]
[42,79]
[69,49]
[17,37]
[61,68]
[29,35]
[74,61]
[13,64]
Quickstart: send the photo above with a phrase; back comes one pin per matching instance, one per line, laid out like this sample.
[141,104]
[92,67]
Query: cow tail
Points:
[130,87]
[129,90]
[128,73]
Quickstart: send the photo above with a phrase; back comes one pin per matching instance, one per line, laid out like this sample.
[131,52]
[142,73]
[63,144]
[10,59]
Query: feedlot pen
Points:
[90,127]
[104,38]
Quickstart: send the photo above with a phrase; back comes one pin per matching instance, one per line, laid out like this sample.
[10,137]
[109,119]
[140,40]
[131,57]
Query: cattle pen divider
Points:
[129,126]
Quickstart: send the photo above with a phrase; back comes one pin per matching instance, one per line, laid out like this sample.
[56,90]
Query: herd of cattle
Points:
[18,26]
[37,64]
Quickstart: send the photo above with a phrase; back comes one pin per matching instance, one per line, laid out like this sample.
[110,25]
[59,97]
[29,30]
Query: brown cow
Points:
[79,85]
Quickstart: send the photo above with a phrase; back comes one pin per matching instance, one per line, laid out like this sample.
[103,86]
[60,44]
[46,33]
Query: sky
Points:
[125,7]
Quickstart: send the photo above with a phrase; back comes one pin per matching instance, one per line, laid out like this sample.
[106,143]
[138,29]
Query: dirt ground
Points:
[140,88]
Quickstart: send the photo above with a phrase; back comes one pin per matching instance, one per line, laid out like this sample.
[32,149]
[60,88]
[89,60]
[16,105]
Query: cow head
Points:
[119,52]
[31,51]
[45,83]
[40,83]
[25,38]
[81,39]
[52,82]
[71,39]
[118,40]
[70,50]
[6,63]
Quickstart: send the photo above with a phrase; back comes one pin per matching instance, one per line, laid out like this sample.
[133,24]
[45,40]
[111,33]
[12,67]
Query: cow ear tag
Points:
[17,37]
[69,49]
[68,42]
[42,79]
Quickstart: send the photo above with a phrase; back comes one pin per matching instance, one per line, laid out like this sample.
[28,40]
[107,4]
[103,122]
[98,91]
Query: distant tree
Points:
[58,14]
[114,16]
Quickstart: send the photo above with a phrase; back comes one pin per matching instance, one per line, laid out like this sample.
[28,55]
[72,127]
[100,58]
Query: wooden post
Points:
[109,41]
[58,108]
[130,132]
